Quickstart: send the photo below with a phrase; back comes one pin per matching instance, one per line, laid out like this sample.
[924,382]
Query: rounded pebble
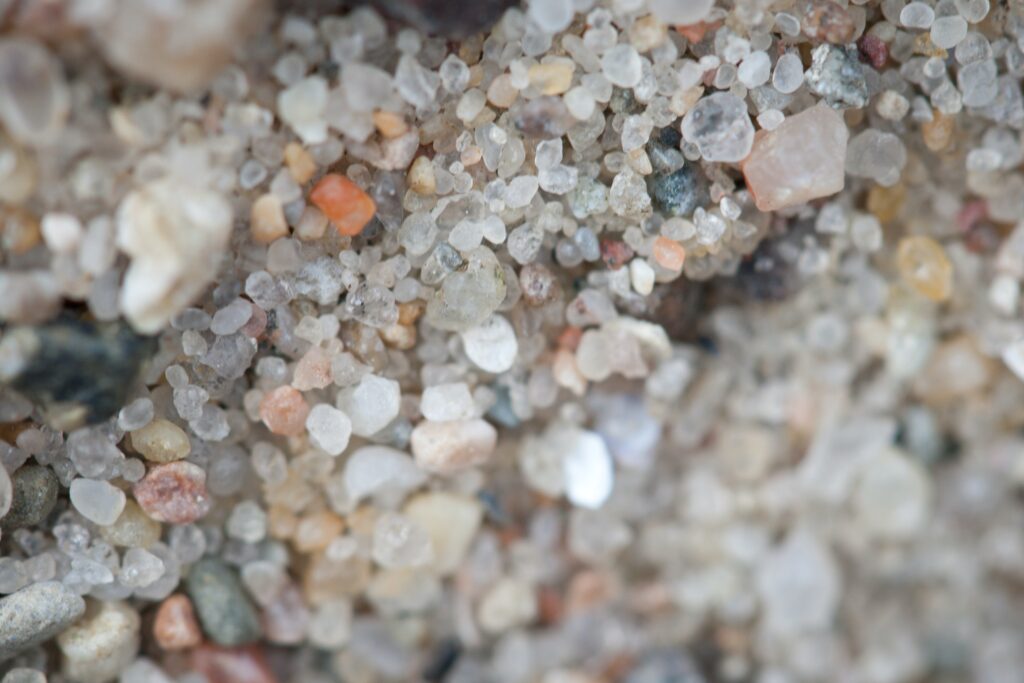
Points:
[175,626]
[102,644]
[225,612]
[35,614]
[161,441]
[34,497]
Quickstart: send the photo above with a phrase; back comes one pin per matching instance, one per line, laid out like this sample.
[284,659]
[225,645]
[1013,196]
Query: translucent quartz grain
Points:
[265,580]
[924,265]
[866,232]
[892,106]
[682,12]
[507,604]
[174,234]
[802,159]
[302,107]
[799,583]
[6,492]
[588,470]
[770,119]
[132,529]
[580,102]
[1013,357]
[374,470]
[720,127]
[34,99]
[917,15]
[247,522]
[641,277]
[621,66]
[140,568]
[329,428]
[443,402]
[398,543]
[61,232]
[415,83]
[947,32]
[755,69]
[98,501]
[450,447]
[977,82]
[454,74]
[973,48]
[628,195]
[135,415]
[27,675]
[551,16]
[468,296]
[491,345]
[973,10]
[450,520]
[370,405]
[330,625]
[648,33]
[876,154]
[893,496]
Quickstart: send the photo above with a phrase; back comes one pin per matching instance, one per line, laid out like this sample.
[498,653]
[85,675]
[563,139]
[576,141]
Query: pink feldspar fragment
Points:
[800,160]
[232,664]
[175,493]
[284,411]
[175,626]
[313,371]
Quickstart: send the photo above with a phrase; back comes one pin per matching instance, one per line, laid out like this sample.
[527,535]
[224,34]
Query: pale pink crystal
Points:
[284,411]
[800,160]
[313,371]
